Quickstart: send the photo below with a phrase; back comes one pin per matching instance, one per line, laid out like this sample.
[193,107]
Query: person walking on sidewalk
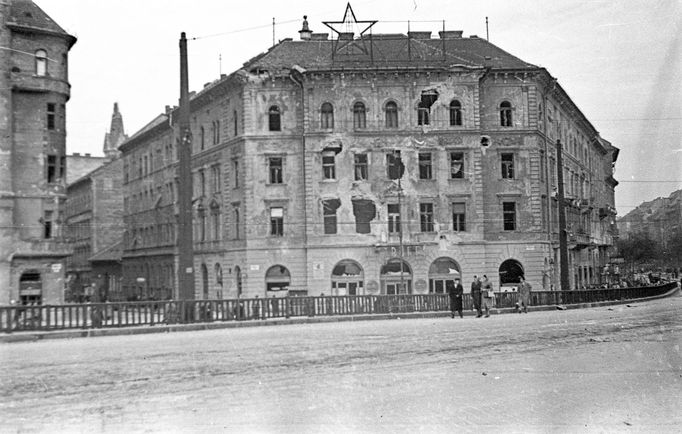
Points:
[476,296]
[455,291]
[488,295]
[524,295]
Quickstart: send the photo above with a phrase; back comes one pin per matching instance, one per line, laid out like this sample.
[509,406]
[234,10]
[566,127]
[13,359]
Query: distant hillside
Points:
[660,219]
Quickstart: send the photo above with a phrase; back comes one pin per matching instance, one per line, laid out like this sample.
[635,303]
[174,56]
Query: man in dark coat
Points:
[455,291]
[476,296]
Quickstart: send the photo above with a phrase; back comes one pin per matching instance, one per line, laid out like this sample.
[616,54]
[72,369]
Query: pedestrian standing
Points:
[488,295]
[476,296]
[524,295]
[455,291]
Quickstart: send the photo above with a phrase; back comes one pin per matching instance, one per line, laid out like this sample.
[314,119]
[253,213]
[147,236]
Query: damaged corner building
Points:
[345,164]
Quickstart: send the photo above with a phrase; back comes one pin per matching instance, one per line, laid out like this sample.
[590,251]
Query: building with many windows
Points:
[34,90]
[372,164]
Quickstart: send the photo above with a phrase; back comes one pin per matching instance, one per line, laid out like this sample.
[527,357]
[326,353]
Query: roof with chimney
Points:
[26,14]
[387,51]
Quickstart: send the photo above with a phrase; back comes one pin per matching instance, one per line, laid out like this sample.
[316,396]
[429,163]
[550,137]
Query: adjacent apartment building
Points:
[34,90]
[94,224]
[382,164]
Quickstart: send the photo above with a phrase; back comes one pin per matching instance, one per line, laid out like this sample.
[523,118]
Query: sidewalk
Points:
[81,333]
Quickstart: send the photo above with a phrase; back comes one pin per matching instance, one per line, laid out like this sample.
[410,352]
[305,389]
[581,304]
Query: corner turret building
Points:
[371,164]
[34,90]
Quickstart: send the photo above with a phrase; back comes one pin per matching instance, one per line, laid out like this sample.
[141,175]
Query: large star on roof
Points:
[349,27]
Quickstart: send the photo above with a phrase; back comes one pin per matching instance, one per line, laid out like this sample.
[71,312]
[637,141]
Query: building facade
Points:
[377,165]
[94,222]
[34,90]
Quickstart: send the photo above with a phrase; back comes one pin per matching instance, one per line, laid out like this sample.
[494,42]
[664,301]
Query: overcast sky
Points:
[619,60]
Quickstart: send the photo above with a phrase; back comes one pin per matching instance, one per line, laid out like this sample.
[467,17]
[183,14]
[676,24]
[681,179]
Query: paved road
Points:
[593,370]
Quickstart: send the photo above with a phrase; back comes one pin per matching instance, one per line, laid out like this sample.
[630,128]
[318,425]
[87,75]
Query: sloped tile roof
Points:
[387,51]
[25,13]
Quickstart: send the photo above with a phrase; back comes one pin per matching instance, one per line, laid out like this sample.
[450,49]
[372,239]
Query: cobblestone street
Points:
[603,369]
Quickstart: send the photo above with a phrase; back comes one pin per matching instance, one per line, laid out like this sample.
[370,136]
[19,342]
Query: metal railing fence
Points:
[127,314]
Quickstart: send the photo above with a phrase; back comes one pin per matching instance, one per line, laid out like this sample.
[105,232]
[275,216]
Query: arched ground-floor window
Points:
[441,271]
[510,272]
[277,278]
[396,277]
[348,278]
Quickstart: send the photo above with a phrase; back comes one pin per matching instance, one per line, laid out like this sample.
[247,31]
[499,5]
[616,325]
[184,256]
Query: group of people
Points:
[483,296]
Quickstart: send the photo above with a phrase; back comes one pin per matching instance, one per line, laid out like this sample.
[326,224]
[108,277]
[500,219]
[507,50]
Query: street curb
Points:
[127,331]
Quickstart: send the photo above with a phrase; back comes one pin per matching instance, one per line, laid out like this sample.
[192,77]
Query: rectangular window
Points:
[456,165]
[329,208]
[235,171]
[393,218]
[47,225]
[507,165]
[277,221]
[360,167]
[275,170]
[542,166]
[425,165]
[216,225]
[50,116]
[509,215]
[236,122]
[215,179]
[544,212]
[51,168]
[426,217]
[552,171]
[236,222]
[423,115]
[394,165]
[459,217]
[329,165]
[202,183]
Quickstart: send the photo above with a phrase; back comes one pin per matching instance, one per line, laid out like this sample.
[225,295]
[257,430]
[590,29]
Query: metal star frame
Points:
[347,25]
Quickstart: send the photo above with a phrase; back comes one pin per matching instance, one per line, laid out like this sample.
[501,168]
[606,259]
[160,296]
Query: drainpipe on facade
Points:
[298,71]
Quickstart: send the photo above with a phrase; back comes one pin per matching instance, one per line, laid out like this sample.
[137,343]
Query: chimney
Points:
[346,36]
[419,35]
[168,109]
[319,36]
[305,32]
[451,34]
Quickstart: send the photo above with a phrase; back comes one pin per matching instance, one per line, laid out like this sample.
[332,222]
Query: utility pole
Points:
[563,235]
[184,149]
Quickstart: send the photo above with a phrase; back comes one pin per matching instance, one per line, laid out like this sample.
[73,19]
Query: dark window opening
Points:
[507,166]
[459,217]
[456,165]
[275,164]
[274,119]
[277,278]
[359,116]
[426,217]
[364,212]
[50,116]
[51,168]
[425,165]
[505,114]
[509,215]
[455,113]
[329,208]
[394,165]
[327,116]
[360,167]
[329,164]
[47,225]
[277,222]
[391,115]
[428,98]
[393,218]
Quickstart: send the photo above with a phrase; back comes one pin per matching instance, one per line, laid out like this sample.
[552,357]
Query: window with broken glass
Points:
[329,164]
[277,221]
[393,218]
[359,116]
[425,165]
[426,217]
[428,98]
[391,115]
[275,167]
[327,116]
[455,113]
[505,114]
[509,215]
[329,208]
[459,217]
[507,164]
[360,161]
[456,165]
[394,165]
